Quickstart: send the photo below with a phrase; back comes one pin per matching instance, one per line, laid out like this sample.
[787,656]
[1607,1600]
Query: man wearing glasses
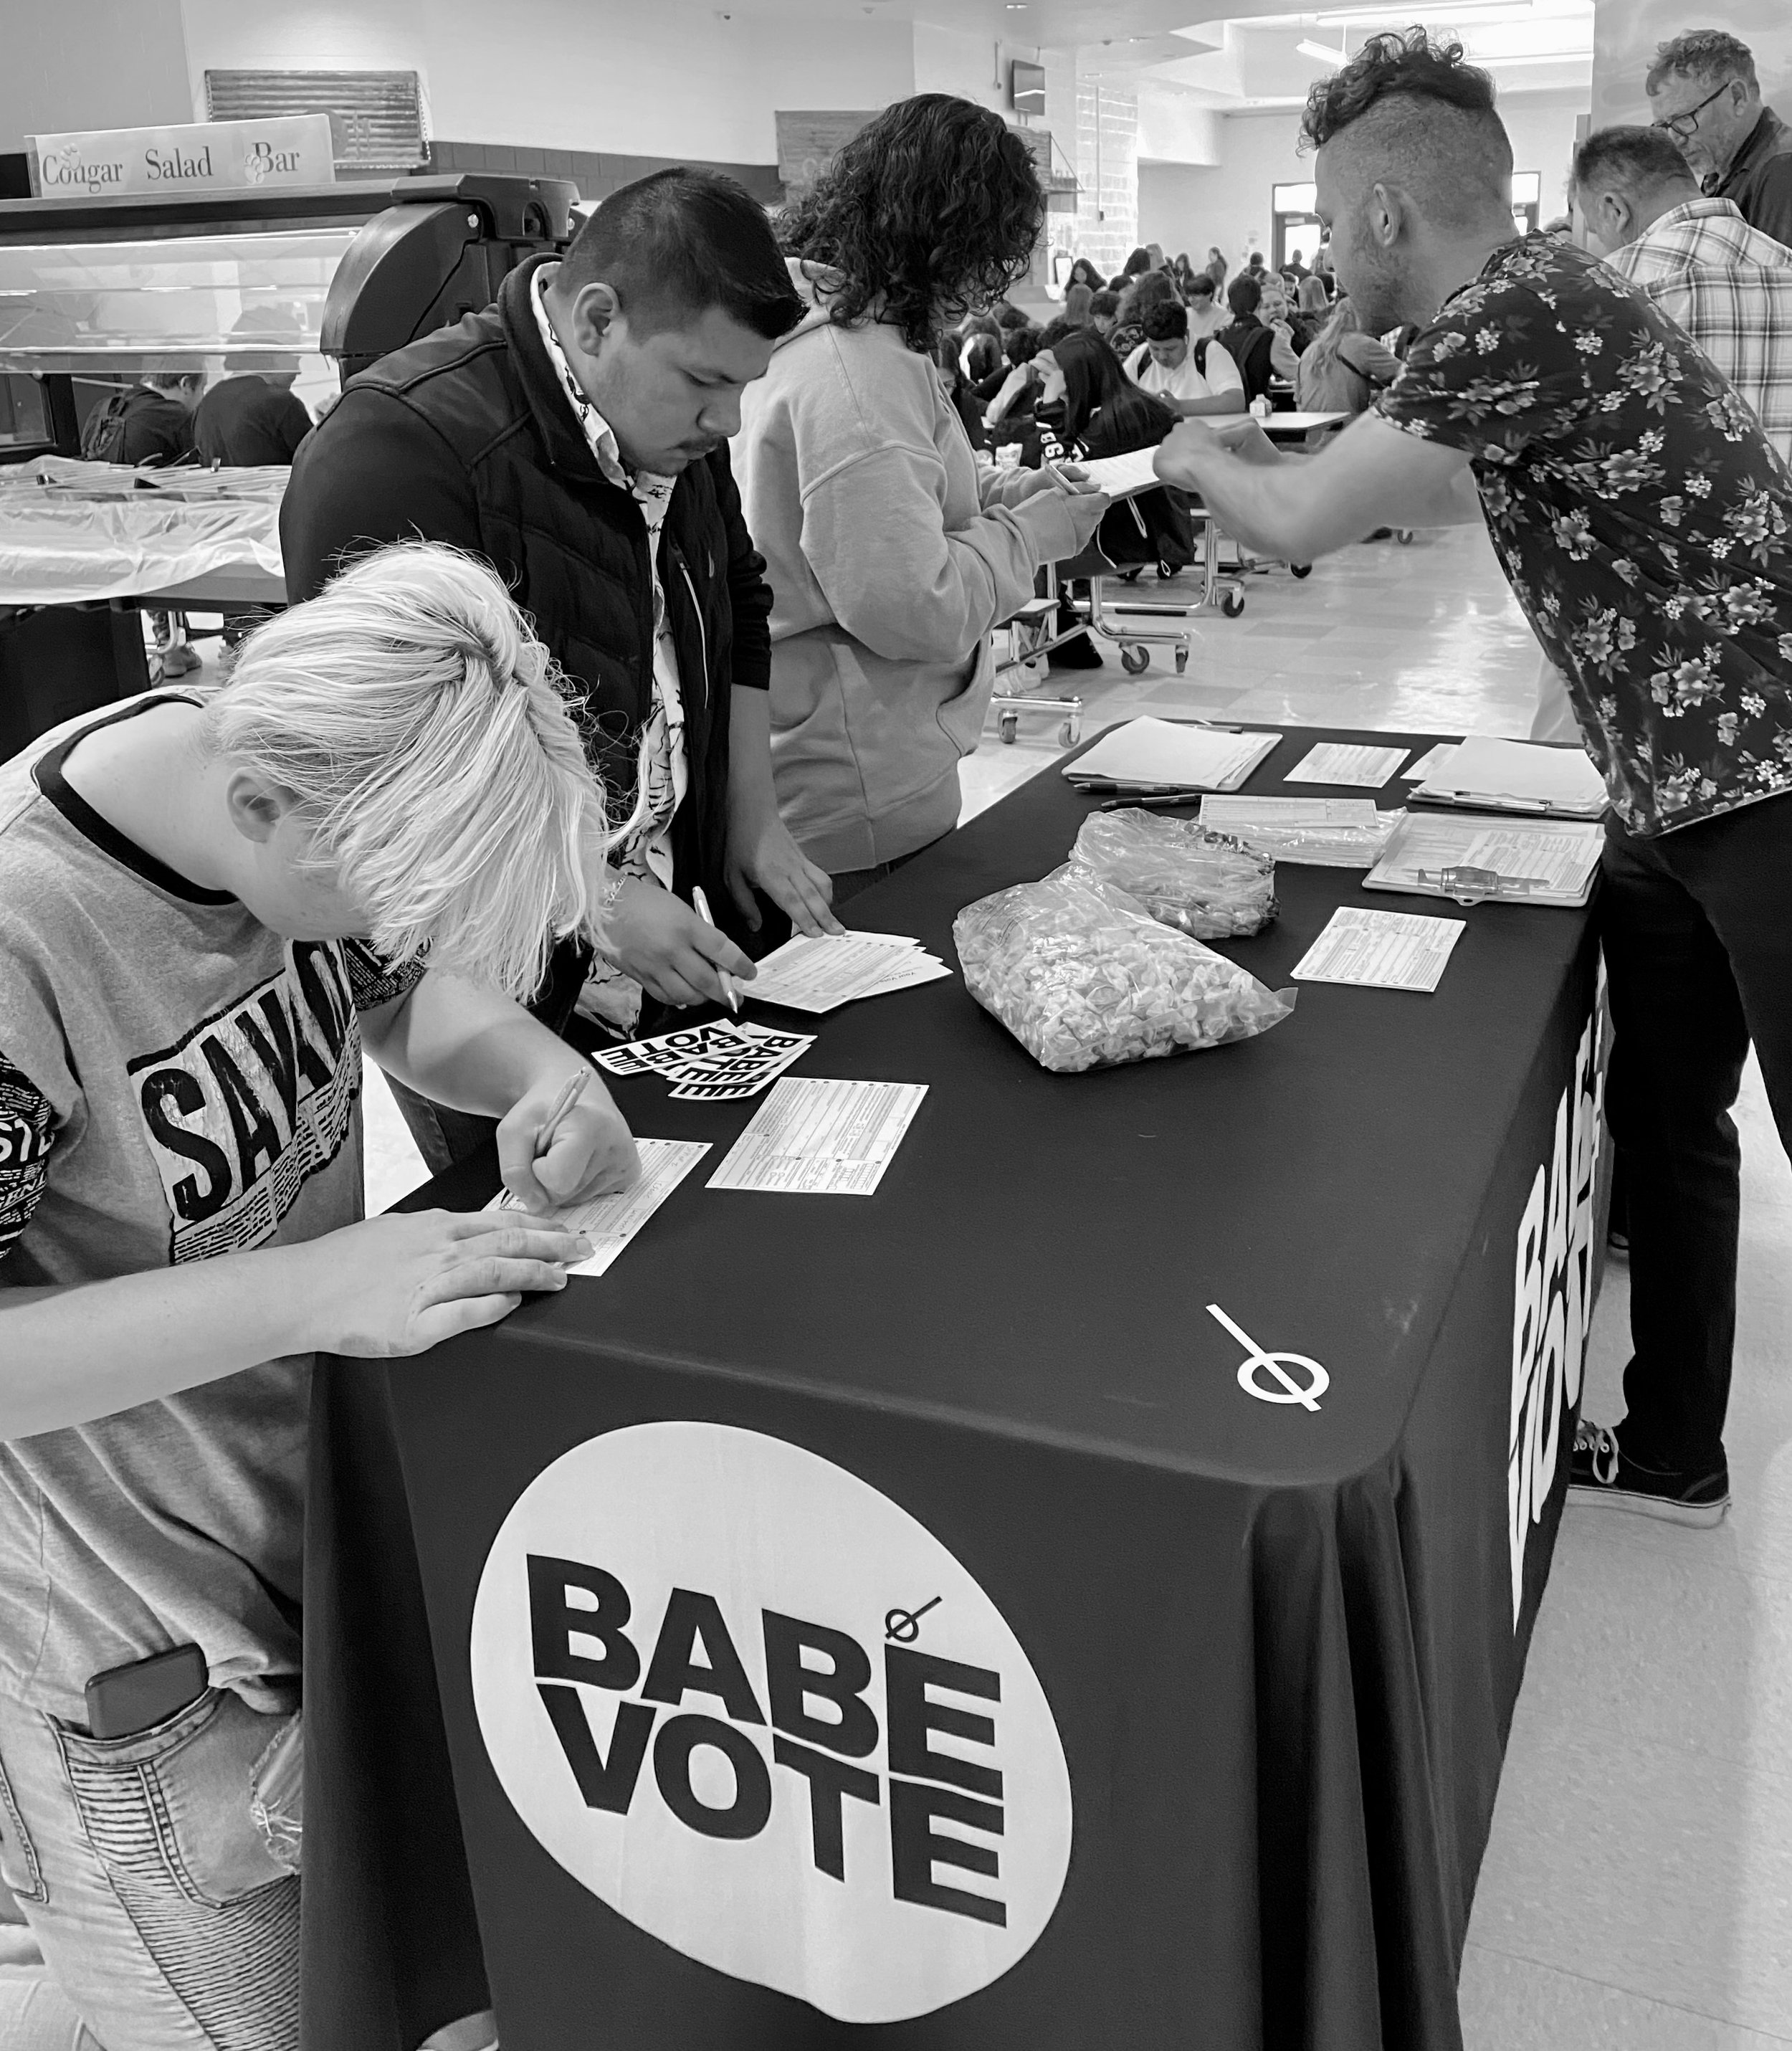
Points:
[1704,93]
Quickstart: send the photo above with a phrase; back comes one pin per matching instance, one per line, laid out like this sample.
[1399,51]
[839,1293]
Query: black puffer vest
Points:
[571,544]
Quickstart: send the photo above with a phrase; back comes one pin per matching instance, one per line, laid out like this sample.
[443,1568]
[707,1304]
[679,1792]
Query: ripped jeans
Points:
[160,1911]
[165,1909]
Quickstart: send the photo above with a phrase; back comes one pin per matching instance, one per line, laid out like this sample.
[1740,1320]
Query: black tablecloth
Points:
[1280,1645]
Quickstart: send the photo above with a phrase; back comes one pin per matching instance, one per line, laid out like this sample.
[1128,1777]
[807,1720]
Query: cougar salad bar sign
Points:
[209,156]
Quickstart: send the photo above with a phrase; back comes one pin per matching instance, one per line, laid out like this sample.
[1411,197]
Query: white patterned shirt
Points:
[1730,287]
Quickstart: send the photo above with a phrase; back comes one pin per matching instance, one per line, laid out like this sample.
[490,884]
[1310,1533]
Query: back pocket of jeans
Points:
[170,1810]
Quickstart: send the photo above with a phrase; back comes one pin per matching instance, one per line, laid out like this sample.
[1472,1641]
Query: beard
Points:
[1378,289]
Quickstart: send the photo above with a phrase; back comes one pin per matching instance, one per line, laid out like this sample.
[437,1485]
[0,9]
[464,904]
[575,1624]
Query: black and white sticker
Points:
[761,1712]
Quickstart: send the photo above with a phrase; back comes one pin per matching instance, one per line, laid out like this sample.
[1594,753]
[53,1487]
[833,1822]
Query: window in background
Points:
[24,420]
[1297,225]
[1527,201]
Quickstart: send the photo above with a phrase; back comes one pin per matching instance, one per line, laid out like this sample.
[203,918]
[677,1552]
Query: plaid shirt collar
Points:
[1689,213]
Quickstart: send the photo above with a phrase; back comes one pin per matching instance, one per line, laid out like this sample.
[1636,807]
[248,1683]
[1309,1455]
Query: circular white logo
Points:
[758,1709]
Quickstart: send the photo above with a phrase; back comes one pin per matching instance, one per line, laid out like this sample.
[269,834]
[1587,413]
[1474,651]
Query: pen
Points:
[570,1093]
[1156,801]
[730,989]
[1101,785]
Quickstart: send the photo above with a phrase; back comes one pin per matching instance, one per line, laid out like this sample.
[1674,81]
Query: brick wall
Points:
[1107,223]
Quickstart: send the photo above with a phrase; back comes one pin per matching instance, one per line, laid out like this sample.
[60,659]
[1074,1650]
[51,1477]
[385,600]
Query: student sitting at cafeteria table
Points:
[367,834]
[1207,313]
[1262,352]
[1191,378]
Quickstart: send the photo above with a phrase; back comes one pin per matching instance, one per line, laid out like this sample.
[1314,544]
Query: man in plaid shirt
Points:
[1727,284]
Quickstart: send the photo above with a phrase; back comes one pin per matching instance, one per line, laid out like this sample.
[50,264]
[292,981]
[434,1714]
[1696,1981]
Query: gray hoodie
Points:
[890,557]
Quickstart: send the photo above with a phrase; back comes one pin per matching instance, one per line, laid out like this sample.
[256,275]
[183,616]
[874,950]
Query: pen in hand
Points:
[571,1090]
[731,990]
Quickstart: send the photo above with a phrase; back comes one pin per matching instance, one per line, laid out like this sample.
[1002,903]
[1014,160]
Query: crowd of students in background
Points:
[1181,331]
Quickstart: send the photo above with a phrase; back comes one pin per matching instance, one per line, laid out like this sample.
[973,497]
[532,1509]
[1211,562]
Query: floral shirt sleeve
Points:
[1641,515]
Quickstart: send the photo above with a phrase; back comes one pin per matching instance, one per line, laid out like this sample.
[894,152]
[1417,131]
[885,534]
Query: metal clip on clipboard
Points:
[1469,885]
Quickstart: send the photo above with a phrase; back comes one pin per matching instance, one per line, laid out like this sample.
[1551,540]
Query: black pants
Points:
[1697,931]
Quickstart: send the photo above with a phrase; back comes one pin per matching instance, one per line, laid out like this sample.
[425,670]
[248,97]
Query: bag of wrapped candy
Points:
[1083,976]
[1204,884]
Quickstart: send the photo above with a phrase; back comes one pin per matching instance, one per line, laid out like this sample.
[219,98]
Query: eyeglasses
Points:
[1683,127]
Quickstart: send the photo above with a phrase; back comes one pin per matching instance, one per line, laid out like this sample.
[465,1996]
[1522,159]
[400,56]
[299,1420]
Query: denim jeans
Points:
[35,2013]
[162,1913]
[1697,930]
[166,1919]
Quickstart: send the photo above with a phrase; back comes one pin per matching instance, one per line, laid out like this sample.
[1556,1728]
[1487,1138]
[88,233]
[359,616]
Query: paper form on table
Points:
[1380,950]
[815,1138]
[1343,762]
[1156,754]
[1234,815]
[1431,763]
[818,974]
[611,1222]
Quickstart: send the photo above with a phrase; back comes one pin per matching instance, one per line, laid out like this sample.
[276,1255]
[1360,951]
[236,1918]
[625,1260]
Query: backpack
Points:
[103,433]
[1249,348]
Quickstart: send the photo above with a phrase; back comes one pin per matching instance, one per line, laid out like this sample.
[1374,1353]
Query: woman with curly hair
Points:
[890,556]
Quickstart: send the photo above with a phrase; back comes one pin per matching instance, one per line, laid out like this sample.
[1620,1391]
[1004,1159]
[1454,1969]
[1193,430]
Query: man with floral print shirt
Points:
[1645,524]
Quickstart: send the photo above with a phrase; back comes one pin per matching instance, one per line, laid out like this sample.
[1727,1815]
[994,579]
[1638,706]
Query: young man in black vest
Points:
[575,436]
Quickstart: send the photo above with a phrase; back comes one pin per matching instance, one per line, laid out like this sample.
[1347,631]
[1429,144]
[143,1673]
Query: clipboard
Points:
[1479,862]
[1523,777]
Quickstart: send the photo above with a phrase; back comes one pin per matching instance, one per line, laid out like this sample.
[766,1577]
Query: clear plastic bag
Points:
[1317,843]
[1206,885]
[1085,976]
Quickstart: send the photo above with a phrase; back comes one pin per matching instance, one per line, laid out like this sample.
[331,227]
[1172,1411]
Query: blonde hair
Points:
[430,745]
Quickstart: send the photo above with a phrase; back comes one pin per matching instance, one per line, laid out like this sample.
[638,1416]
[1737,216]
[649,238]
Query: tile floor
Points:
[1637,1893]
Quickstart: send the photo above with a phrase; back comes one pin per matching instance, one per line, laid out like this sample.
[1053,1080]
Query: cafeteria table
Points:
[1303,431]
[1076,1596]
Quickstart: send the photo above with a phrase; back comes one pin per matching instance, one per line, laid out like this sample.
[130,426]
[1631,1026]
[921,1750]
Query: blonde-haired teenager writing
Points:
[208,907]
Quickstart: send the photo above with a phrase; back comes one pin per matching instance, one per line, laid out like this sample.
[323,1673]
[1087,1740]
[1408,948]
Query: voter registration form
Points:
[1339,762]
[813,1138]
[611,1222]
[1381,950]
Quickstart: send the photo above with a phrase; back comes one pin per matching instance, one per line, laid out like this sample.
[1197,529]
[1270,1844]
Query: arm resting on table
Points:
[385,1287]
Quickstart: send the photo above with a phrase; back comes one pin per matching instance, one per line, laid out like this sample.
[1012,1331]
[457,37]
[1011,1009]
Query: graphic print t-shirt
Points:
[201,1076]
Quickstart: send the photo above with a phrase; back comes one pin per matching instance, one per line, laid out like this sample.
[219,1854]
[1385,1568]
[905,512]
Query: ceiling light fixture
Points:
[1309,48]
[1445,10]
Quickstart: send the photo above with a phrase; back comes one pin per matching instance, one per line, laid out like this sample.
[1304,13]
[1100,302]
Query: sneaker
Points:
[1600,1476]
[178,660]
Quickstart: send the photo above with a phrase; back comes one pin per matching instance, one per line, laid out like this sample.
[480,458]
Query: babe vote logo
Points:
[761,1712]
[1553,1298]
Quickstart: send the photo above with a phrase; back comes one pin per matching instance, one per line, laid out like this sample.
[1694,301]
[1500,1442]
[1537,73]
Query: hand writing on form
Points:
[586,1151]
